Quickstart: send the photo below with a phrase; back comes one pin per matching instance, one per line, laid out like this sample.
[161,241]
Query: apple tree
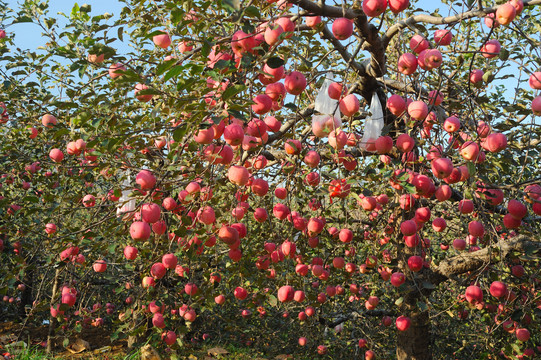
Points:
[343,179]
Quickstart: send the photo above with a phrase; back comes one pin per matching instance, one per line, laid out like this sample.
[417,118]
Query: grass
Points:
[34,353]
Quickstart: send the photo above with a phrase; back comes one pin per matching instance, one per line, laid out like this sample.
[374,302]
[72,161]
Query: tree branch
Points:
[463,263]
[435,20]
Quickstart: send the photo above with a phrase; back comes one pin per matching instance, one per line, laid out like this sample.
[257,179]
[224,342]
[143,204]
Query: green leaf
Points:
[252,11]
[232,91]
[291,106]
[206,48]
[410,188]
[179,132]
[163,67]
[175,71]
[504,54]
[120,33]
[273,301]
[471,168]
[422,306]
[149,91]
[399,301]
[275,62]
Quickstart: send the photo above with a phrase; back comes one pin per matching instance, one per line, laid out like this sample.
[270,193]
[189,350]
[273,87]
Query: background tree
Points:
[191,183]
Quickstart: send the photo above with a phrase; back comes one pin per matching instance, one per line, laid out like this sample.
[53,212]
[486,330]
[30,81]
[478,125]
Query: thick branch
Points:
[463,263]
[435,20]
[368,32]
[359,68]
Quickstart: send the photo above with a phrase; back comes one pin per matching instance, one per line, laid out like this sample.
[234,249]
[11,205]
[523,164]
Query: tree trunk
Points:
[52,320]
[26,296]
[414,343]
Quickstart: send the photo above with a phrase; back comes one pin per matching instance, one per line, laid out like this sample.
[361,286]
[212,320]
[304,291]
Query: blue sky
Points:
[25,33]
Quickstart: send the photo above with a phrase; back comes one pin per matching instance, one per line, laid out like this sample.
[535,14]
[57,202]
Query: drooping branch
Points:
[354,315]
[463,263]
[359,68]
[435,20]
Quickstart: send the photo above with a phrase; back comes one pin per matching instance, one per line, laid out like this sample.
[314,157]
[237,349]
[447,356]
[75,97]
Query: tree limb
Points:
[435,20]
[463,263]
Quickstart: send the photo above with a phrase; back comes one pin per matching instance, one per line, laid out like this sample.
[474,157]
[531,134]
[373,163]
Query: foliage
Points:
[129,111]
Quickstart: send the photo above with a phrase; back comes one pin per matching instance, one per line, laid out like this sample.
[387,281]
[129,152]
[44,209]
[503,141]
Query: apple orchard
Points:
[167,174]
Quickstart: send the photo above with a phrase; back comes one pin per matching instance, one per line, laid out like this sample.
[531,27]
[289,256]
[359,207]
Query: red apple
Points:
[342,28]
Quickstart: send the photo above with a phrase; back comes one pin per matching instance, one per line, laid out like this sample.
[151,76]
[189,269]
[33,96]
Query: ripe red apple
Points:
[495,142]
[146,180]
[169,337]
[398,6]
[517,209]
[469,150]
[415,263]
[405,143]
[313,21]
[476,77]
[422,214]
[238,175]
[295,83]
[56,155]
[536,106]
[432,59]
[459,244]
[522,334]
[397,279]
[397,105]
[312,158]
[263,104]
[130,252]
[99,266]
[418,43]
[442,167]
[443,37]
[373,8]
[50,228]
[139,230]
[491,49]
[272,34]
[342,28]
[384,144]
[434,98]
[115,70]
[475,228]
[408,227]
[418,110]
[345,235]
[276,92]
[535,80]
[498,289]
[240,293]
[474,294]
[162,40]
[407,64]
[506,14]
[403,323]
[451,124]
[465,206]
[349,105]
[147,282]
[233,134]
